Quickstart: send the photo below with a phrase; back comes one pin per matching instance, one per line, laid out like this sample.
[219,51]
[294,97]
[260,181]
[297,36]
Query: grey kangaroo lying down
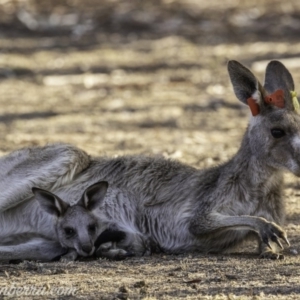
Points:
[175,208]
[165,205]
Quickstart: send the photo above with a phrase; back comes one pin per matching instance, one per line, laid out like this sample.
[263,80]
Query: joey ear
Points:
[245,84]
[49,202]
[278,77]
[94,195]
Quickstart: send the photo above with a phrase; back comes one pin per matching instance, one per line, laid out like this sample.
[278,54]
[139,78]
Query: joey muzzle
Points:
[87,248]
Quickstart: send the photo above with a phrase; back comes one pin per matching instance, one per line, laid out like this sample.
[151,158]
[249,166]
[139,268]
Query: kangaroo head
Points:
[274,129]
[77,227]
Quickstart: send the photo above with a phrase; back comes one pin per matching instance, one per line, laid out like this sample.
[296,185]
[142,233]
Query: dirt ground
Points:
[123,77]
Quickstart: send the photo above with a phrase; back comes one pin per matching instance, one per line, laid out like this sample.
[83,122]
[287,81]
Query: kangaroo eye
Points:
[69,231]
[92,228]
[277,133]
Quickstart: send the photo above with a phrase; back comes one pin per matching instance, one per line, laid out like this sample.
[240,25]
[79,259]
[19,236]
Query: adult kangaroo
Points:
[178,208]
[168,206]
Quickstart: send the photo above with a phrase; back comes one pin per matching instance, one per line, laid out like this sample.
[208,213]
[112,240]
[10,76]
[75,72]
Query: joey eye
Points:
[69,231]
[92,228]
[277,133]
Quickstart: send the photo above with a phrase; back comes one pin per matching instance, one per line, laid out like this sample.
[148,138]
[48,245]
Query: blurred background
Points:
[119,77]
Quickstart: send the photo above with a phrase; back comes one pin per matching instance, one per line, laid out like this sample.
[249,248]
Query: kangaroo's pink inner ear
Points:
[254,107]
[276,99]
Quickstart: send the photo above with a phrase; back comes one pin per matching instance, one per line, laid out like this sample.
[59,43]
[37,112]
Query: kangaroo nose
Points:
[87,248]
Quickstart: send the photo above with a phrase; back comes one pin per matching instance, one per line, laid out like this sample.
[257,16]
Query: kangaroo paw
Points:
[109,250]
[273,233]
[70,256]
[269,254]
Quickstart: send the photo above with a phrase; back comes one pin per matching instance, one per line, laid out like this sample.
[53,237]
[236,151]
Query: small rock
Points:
[123,296]
[293,251]
[123,293]
[123,289]
[140,284]
[143,290]
[231,276]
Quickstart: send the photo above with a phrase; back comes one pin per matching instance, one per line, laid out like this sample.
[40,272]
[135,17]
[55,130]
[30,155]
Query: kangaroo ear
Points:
[94,195]
[50,202]
[278,77]
[245,84]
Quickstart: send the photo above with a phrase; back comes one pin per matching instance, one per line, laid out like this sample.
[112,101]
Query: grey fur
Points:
[164,205]
[35,227]
[42,227]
